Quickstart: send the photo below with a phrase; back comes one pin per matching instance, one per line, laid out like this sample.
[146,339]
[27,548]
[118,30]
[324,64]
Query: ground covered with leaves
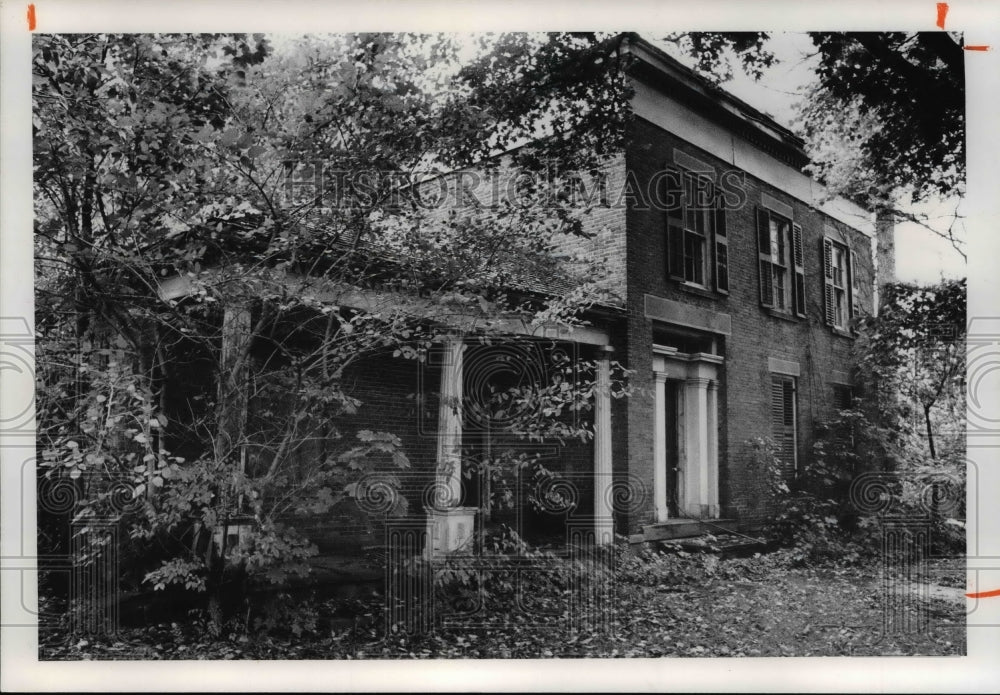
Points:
[664,605]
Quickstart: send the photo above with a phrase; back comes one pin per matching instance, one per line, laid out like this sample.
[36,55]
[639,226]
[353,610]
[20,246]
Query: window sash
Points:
[690,226]
[839,295]
[775,245]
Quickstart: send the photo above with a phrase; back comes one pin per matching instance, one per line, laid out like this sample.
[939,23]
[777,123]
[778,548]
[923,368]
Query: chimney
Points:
[885,250]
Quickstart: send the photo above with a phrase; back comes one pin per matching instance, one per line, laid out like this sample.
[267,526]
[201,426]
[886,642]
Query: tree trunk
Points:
[930,432]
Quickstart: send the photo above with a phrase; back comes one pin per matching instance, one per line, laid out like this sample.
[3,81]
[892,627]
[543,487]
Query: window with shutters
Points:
[843,396]
[782,272]
[697,248]
[783,422]
[840,295]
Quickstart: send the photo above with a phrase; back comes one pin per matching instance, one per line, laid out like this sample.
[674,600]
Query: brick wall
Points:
[744,393]
[401,396]
[398,396]
[603,223]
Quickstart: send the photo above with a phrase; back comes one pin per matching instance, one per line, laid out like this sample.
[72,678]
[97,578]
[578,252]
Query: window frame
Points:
[697,243]
[841,300]
[780,263]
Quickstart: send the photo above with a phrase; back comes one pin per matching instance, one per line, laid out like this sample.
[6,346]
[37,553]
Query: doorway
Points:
[673,428]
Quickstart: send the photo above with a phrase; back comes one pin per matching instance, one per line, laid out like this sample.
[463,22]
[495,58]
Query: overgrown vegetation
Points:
[897,452]
[195,333]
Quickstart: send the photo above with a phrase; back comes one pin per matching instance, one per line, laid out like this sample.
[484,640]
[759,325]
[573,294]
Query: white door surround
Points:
[698,446]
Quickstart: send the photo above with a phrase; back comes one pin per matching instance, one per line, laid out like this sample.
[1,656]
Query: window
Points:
[697,250]
[783,422]
[843,396]
[782,276]
[840,286]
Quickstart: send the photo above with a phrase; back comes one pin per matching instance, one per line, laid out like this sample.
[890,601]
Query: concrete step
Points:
[684,528]
[725,545]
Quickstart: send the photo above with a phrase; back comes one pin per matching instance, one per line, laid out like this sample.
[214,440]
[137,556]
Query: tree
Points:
[914,356]
[266,186]
[884,122]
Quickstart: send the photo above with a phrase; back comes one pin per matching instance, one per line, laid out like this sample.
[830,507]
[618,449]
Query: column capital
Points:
[699,381]
[660,377]
[713,384]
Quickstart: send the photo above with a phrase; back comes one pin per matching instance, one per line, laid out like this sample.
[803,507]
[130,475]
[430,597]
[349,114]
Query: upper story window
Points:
[782,275]
[697,248]
[841,299]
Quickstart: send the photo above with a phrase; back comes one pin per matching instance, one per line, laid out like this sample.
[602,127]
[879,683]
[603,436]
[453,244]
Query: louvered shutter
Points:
[721,248]
[829,296]
[855,286]
[764,257]
[675,223]
[783,422]
[799,286]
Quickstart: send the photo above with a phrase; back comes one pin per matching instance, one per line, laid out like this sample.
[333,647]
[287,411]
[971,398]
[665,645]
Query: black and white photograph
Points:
[657,343]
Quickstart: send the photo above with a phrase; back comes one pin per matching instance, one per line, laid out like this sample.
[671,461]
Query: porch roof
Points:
[454,312]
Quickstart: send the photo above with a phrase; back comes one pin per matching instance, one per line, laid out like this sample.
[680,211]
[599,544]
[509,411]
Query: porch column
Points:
[449,439]
[660,446]
[603,519]
[449,526]
[696,451]
[713,449]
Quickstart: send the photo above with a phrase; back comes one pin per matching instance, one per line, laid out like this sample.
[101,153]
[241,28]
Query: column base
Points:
[449,531]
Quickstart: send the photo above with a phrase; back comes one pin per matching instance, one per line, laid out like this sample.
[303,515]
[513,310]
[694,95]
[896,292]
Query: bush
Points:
[815,516]
[812,516]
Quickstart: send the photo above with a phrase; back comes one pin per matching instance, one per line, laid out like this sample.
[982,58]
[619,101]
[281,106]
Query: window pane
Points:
[779,287]
[839,264]
[694,258]
[841,308]
[689,202]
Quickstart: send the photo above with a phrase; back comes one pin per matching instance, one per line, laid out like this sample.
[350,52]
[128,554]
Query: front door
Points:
[685,443]
[673,454]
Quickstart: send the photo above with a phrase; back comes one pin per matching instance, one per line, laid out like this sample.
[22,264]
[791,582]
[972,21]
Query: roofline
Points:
[658,64]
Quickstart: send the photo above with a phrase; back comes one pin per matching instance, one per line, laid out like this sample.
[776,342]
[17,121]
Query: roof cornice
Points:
[655,67]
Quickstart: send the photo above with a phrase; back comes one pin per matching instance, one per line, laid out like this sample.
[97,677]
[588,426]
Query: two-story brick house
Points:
[739,317]
[736,282]
[739,282]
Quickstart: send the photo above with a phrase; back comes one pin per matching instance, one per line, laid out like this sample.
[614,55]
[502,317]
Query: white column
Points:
[449,441]
[713,449]
[696,451]
[603,521]
[660,447]
[449,526]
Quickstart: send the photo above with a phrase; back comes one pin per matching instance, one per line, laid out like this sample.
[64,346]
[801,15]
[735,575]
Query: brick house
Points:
[736,282]
[744,312]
